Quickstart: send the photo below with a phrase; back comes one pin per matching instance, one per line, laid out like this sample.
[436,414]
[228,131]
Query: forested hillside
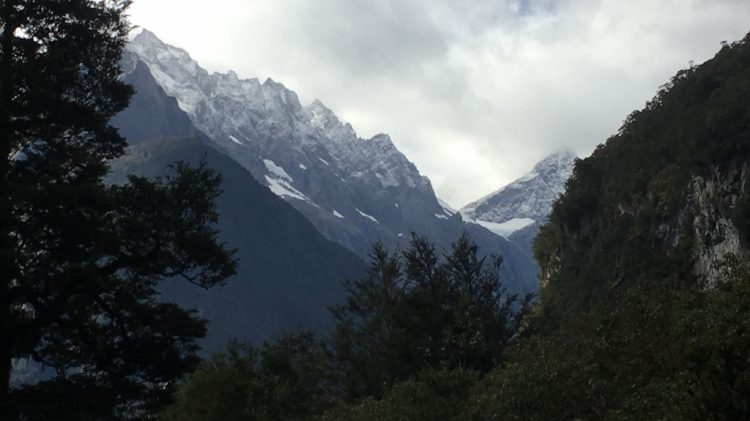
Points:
[644,305]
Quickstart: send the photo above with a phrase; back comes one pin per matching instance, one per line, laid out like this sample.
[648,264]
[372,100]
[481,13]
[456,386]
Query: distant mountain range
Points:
[349,190]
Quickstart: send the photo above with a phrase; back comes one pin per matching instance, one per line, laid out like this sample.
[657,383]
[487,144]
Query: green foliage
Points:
[664,352]
[427,324]
[430,395]
[625,329]
[89,298]
[284,380]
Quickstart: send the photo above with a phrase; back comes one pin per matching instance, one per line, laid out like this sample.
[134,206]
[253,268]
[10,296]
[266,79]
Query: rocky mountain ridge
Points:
[355,191]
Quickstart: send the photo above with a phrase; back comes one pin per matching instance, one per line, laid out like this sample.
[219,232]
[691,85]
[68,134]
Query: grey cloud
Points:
[365,37]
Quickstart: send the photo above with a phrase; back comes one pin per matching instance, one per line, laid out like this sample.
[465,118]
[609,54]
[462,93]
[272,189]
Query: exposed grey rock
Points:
[711,203]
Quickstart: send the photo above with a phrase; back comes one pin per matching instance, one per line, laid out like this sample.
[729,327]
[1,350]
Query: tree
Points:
[412,337]
[80,260]
[366,324]
[417,311]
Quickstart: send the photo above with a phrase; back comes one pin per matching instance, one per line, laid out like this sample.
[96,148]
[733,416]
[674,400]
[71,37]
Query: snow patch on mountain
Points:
[277,170]
[448,209]
[283,189]
[370,217]
[506,228]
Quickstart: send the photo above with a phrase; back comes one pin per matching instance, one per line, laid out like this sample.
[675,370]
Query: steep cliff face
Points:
[712,203]
[706,223]
[665,199]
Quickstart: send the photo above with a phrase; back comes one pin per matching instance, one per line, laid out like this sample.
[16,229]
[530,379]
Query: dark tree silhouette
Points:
[80,260]
[416,310]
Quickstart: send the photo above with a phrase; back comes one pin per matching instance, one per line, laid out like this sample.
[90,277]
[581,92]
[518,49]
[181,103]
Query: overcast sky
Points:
[474,92]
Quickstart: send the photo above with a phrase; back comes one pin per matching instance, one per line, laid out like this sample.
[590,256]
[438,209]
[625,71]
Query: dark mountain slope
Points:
[151,115]
[288,272]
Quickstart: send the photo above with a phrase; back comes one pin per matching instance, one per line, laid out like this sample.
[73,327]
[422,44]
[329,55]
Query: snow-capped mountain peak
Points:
[264,127]
[526,200]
